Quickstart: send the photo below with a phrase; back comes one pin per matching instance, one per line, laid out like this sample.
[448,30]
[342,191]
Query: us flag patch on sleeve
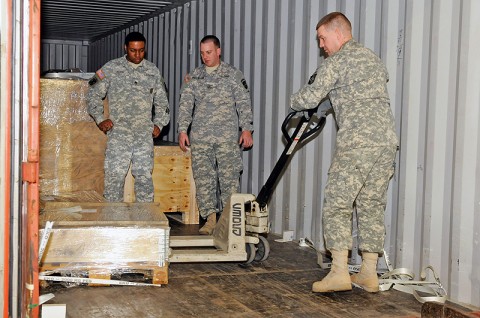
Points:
[100,74]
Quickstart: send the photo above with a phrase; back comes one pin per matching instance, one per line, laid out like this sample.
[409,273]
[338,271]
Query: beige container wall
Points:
[431,50]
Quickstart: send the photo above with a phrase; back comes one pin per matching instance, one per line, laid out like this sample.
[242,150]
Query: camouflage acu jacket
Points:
[216,105]
[354,79]
[131,92]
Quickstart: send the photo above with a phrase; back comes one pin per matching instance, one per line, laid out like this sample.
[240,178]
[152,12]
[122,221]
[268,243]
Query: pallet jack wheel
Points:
[250,249]
[263,249]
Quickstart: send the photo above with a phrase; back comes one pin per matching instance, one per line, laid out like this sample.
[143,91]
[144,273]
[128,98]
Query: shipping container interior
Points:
[431,51]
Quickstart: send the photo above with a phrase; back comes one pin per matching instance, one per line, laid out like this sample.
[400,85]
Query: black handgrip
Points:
[285,124]
[318,126]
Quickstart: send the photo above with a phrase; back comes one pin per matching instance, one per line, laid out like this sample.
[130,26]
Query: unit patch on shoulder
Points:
[244,82]
[93,80]
[312,78]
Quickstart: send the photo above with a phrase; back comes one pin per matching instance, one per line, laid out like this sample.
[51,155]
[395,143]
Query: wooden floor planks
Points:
[278,287]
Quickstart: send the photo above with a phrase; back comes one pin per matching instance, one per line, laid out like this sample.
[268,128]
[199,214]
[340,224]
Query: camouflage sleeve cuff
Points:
[294,104]
[247,127]
[159,123]
[98,119]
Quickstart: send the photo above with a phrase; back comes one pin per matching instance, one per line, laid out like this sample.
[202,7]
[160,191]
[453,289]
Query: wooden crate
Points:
[173,183]
[104,238]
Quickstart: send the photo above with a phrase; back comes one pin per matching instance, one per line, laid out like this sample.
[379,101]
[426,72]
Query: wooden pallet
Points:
[148,273]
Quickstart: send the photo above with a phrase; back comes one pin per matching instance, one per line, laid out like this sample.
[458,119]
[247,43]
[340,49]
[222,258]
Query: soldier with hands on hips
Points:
[133,86]
[215,102]
[355,81]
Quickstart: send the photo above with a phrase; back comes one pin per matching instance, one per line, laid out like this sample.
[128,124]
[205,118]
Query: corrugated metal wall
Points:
[431,49]
[62,55]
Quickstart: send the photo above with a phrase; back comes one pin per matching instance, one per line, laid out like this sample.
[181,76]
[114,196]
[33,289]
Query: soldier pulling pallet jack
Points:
[239,234]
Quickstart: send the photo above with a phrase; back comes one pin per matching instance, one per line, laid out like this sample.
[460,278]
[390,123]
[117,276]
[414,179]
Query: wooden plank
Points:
[160,275]
[98,274]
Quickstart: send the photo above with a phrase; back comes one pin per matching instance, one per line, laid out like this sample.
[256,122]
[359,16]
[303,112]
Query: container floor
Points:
[277,287]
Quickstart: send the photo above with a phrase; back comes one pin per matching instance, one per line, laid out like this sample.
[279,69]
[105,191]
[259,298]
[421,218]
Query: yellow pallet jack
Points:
[242,227]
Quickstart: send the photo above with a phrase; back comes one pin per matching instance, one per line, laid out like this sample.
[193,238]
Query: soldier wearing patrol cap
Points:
[132,86]
[215,101]
[354,79]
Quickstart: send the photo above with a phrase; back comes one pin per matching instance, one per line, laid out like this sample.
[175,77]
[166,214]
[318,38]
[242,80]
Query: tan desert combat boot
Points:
[207,229]
[367,278]
[338,279]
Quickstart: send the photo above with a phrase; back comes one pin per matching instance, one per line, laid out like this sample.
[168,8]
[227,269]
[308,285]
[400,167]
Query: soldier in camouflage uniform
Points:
[132,85]
[354,79]
[215,100]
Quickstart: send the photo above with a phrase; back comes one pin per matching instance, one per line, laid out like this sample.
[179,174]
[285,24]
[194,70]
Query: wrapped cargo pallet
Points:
[104,240]
[72,148]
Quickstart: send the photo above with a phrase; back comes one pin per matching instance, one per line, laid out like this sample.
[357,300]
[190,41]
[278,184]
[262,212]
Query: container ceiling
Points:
[87,19]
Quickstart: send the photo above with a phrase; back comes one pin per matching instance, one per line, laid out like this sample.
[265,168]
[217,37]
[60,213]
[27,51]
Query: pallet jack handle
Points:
[308,125]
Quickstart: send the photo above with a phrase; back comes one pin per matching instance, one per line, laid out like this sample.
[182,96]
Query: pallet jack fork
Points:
[242,227]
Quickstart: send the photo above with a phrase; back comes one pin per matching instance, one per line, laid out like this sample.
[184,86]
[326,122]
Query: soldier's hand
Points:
[187,78]
[105,125]
[156,131]
[183,141]
[246,139]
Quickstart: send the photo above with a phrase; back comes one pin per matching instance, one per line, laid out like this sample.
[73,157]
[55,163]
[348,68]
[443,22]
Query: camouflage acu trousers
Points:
[214,164]
[124,148]
[357,178]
